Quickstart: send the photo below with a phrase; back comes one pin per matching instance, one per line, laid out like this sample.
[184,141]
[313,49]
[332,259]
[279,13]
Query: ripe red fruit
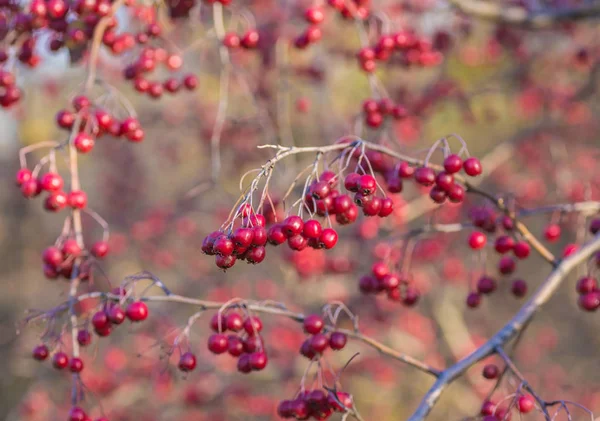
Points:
[100,320]
[77,199]
[337,340]
[252,325]
[259,236]
[313,324]
[552,232]
[99,249]
[137,311]
[51,182]
[22,176]
[52,256]
[258,360]
[190,82]
[250,39]
[55,201]
[425,176]
[590,301]
[84,338]
[437,194]
[314,15]
[587,284]
[444,180]
[235,345]
[75,365]
[486,285]
[71,248]
[225,262]
[320,189]
[380,270]
[319,343]
[292,226]
[453,163]
[275,235]
[328,238]
[77,414]
[116,315]
[243,364]
[306,350]
[60,360]
[411,296]
[297,242]
[387,207]
[233,322]
[40,352]
[491,371]
[187,362]
[488,408]
[473,300]
[472,166]
[223,246]
[366,184]
[506,265]
[351,182]
[519,288]
[31,188]
[477,240]
[525,404]
[242,237]
[312,229]
[231,40]
[217,343]
[83,142]
[521,249]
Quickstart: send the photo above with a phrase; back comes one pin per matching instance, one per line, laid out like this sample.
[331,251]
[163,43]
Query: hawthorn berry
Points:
[60,360]
[477,240]
[424,176]
[258,360]
[253,325]
[99,249]
[473,300]
[491,371]
[472,166]
[453,164]
[525,404]
[313,324]
[75,365]
[552,232]
[519,288]
[83,337]
[337,340]
[40,352]
[116,315]
[521,249]
[319,343]
[137,311]
[187,362]
[217,343]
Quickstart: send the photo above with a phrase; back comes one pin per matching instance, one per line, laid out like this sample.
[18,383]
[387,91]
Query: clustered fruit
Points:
[59,260]
[375,111]
[113,315]
[410,49]
[314,16]
[319,341]
[317,403]
[244,342]
[395,286]
[248,41]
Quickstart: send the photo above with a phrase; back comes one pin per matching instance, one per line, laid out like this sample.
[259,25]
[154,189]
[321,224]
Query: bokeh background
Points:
[531,91]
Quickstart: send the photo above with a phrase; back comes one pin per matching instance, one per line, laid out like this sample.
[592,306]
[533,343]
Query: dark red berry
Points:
[313,324]
[137,311]
[187,362]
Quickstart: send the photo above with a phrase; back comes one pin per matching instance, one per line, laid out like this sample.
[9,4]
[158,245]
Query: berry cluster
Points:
[147,62]
[364,187]
[113,315]
[383,280]
[317,403]
[411,50]
[376,111]
[314,16]
[245,343]
[318,342]
[59,260]
[589,293]
[248,41]
[95,122]
[9,92]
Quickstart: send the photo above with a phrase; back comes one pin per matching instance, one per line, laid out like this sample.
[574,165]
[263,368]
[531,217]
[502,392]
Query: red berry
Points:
[366,184]
[77,199]
[31,188]
[328,238]
[40,352]
[55,201]
[187,362]
[506,265]
[234,322]
[411,296]
[405,170]
[519,288]
[314,15]
[504,244]
[587,284]
[83,142]
[84,338]
[77,414]
[337,340]
[312,229]
[525,404]
[473,300]
[52,256]
[242,237]
[23,175]
[252,325]
[116,315]
[71,248]
[235,346]
[477,240]
[99,249]
[276,236]
[137,311]
[60,360]
[297,242]
[491,371]
[590,301]
[552,232]
[486,285]
[452,164]
[472,166]
[225,262]
[292,226]
[51,182]
[425,176]
[319,343]
[258,360]
[313,324]
[223,246]
[521,249]
[351,182]
[217,343]
[231,40]
[75,365]
[100,320]
[243,364]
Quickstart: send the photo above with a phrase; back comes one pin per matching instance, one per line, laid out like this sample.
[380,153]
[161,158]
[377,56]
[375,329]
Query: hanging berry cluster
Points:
[382,280]
[9,92]
[249,40]
[375,111]
[113,315]
[318,341]
[58,260]
[318,404]
[147,62]
[314,16]
[244,343]
[410,49]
